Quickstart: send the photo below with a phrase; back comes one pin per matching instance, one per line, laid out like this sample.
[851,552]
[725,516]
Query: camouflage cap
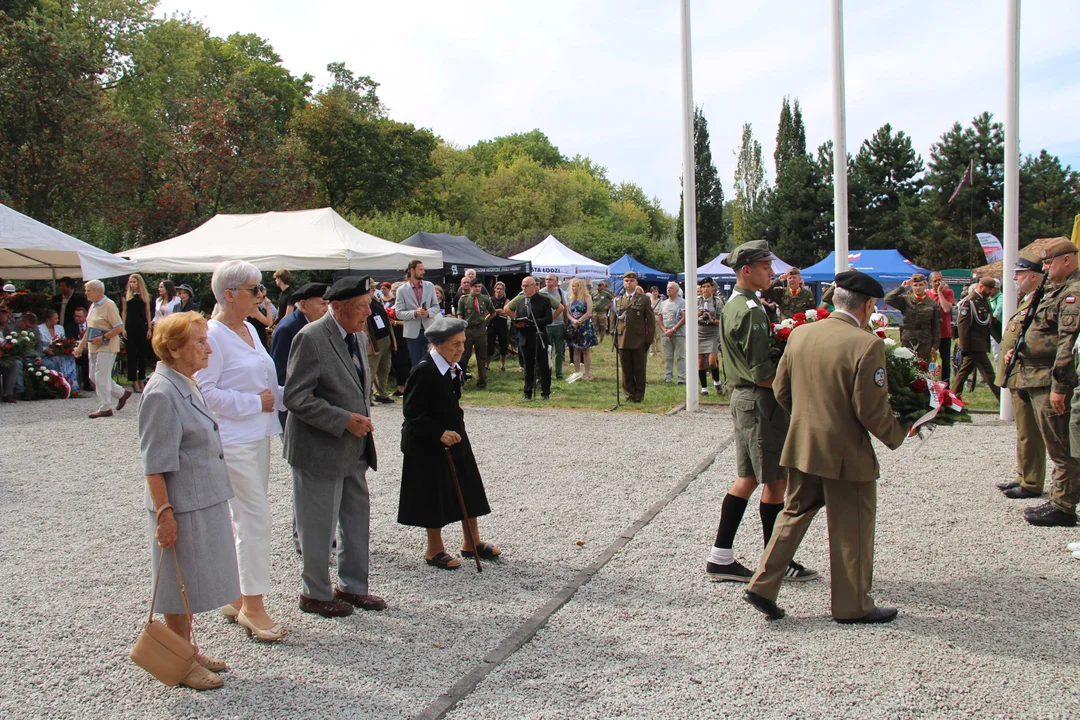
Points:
[1058,247]
[1029,261]
[918,277]
[747,253]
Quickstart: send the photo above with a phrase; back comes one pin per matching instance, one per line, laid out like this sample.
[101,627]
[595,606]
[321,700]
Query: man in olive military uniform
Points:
[973,316]
[1048,374]
[922,317]
[832,378]
[1030,449]
[634,315]
[601,303]
[760,424]
[791,299]
[476,309]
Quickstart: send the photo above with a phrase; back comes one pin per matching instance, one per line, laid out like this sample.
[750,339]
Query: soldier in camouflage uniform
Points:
[922,317]
[1048,373]
[973,316]
[601,303]
[794,298]
[1030,450]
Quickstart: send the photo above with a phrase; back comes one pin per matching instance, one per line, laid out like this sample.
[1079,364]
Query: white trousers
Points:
[674,357]
[107,391]
[249,473]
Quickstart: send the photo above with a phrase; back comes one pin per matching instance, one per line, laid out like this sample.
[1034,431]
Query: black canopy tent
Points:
[460,254]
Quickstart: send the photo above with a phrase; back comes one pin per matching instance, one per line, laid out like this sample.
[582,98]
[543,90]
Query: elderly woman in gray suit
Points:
[188,488]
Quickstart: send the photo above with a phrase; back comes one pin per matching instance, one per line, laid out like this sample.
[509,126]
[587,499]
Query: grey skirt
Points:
[708,339]
[207,555]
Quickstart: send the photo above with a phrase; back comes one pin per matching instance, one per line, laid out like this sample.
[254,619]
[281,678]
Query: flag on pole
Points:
[966,180]
[1076,231]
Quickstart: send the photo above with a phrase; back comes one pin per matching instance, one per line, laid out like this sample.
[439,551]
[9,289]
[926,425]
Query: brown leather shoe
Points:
[364,602]
[123,401]
[326,608]
[100,414]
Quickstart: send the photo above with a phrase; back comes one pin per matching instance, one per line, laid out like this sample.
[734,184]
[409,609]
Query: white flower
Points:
[38,373]
[903,353]
[890,343]
[787,323]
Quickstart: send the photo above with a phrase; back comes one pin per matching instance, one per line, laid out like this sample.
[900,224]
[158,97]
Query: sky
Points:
[602,77]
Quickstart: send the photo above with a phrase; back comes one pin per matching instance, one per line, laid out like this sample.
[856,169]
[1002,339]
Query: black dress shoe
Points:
[326,608]
[385,400]
[526,397]
[1007,485]
[774,611]
[877,615]
[1049,516]
[1020,493]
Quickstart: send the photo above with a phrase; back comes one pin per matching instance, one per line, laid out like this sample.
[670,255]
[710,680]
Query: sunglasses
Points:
[254,289]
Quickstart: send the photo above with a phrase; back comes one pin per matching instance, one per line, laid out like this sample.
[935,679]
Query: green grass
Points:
[504,388]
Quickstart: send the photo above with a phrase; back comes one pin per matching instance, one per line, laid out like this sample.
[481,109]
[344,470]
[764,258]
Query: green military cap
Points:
[747,253]
[1028,260]
[1058,247]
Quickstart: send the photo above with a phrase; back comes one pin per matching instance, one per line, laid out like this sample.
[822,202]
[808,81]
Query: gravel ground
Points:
[75,561]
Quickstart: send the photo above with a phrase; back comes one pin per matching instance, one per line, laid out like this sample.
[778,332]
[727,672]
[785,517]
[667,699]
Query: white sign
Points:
[991,247]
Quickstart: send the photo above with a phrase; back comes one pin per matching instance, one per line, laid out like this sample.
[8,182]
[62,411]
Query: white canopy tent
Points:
[30,250]
[552,257]
[298,240]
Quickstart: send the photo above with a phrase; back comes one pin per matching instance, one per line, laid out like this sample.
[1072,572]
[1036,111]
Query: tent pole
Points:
[689,206]
[840,189]
[1012,175]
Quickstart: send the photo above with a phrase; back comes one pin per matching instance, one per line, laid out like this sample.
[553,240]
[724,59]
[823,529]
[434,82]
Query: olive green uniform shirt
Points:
[1046,355]
[789,304]
[973,316]
[745,338]
[922,318]
[466,309]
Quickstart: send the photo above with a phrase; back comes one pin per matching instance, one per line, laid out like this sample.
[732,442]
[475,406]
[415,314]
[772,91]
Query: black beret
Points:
[859,282]
[349,287]
[306,292]
[477,281]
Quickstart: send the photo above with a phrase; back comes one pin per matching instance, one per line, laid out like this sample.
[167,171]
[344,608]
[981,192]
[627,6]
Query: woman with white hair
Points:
[102,337]
[240,386]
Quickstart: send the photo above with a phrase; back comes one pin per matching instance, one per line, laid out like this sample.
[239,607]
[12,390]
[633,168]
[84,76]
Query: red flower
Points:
[783,333]
[880,333]
[923,365]
[919,385]
[799,317]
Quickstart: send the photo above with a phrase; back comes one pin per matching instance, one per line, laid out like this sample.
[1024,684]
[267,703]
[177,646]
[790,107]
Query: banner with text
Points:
[991,247]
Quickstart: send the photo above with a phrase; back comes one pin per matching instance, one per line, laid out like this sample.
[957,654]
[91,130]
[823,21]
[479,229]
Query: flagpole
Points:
[1012,176]
[689,207]
[840,187]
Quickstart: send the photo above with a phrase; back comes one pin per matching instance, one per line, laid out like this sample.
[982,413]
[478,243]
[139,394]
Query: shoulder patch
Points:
[879,377]
[964,309]
[751,304]
[1070,299]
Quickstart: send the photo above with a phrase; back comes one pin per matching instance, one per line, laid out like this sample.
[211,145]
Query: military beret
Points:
[476,281]
[306,292]
[859,282]
[349,287]
[601,282]
[747,253]
[987,281]
[1058,247]
[1029,261]
[444,328]
[629,275]
[705,281]
[917,277]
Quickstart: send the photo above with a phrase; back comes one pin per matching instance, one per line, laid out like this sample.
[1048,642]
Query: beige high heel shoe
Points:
[229,613]
[199,678]
[273,634]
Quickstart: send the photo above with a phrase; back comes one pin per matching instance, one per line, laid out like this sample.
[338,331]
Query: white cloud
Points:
[602,78]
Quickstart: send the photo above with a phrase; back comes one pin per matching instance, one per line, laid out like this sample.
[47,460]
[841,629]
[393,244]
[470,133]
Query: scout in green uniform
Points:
[1048,373]
[791,299]
[476,309]
[973,317]
[922,317]
[1030,450]
[636,326]
[601,303]
[760,423]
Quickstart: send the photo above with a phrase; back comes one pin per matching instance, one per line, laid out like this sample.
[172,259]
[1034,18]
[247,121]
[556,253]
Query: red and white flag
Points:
[966,180]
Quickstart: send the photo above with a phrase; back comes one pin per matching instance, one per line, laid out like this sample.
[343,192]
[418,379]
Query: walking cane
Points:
[464,514]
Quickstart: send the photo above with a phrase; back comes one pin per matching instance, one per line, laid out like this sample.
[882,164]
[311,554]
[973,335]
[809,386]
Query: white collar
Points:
[845,312]
[440,362]
[341,330]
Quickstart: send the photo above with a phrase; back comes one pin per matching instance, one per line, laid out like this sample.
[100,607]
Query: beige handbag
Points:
[159,651]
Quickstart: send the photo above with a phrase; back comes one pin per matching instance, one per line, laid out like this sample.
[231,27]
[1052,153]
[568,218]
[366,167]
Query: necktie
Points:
[477,302]
[350,342]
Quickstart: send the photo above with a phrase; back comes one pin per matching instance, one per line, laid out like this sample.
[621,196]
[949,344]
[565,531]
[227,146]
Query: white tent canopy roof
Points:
[30,250]
[298,240]
[551,256]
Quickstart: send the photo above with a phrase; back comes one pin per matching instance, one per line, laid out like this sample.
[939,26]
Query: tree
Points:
[505,150]
[710,196]
[790,137]
[884,188]
[1049,197]
[751,190]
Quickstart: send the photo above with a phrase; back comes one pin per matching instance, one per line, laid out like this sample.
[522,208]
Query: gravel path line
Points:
[527,630]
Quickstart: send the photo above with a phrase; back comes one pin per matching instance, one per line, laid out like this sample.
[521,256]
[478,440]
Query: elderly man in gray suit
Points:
[416,306]
[328,443]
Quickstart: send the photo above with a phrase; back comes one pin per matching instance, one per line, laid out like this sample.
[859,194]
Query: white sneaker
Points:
[1074,547]
[573,378]
[1077,554]
[705,391]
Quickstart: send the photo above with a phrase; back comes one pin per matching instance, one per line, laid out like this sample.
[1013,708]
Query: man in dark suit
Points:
[634,315]
[310,306]
[329,445]
[65,305]
[532,313]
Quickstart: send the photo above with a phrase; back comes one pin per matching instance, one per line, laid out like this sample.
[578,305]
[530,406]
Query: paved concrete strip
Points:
[525,632]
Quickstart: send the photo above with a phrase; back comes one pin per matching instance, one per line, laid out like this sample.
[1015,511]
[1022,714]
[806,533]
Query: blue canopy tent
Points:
[646,275]
[885,266]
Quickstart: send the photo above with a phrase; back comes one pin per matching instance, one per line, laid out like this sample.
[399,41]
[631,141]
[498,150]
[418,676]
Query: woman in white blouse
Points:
[240,387]
[167,301]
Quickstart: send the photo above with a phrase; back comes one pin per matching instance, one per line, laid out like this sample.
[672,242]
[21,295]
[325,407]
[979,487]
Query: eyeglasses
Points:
[254,289]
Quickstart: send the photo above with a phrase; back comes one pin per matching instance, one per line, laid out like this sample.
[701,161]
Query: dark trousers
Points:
[498,337]
[945,348]
[139,355]
[970,362]
[534,356]
[418,348]
[85,382]
[633,372]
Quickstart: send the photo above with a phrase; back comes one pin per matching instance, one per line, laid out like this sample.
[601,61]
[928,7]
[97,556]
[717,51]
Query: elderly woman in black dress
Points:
[434,421]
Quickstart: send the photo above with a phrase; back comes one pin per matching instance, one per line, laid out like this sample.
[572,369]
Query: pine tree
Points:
[884,187]
[751,190]
[710,196]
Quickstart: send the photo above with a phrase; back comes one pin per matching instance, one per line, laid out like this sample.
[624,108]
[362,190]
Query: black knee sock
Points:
[731,512]
[769,511]
[703,376]
[715,374]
